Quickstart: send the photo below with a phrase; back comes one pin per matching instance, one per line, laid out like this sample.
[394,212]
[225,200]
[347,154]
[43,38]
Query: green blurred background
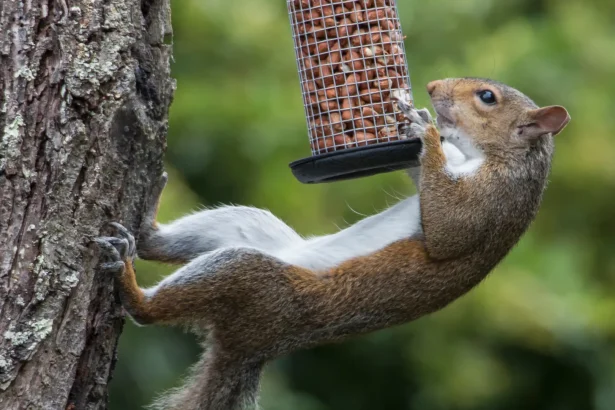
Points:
[538,334]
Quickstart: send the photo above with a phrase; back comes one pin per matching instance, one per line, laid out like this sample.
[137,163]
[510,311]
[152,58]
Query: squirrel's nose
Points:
[431,87]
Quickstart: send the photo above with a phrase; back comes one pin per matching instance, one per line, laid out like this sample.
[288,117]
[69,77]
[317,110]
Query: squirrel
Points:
[256,290]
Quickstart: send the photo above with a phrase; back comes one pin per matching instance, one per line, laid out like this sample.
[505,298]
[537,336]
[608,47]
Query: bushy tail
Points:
[215,382]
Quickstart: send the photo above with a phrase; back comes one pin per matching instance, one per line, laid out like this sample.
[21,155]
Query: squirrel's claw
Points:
[416,130]
[114,251]
[122,245]
[404,107]
[422,116]
[128,237]
[113,267]
[419,119]
[108,250]
[425,115]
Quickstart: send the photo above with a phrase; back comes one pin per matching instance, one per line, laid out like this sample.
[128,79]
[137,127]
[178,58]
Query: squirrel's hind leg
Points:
[186,238]
[199,293]
[177,305]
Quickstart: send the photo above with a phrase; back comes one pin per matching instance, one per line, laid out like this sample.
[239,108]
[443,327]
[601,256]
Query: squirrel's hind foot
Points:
[116,251]
[128,237]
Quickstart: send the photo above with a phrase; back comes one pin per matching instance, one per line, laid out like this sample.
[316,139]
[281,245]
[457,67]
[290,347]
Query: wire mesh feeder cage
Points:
[352,66]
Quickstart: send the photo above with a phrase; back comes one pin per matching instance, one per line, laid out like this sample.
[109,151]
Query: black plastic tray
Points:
[358,162]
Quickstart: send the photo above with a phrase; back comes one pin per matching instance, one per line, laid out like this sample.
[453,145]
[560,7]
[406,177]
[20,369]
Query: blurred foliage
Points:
[538,334]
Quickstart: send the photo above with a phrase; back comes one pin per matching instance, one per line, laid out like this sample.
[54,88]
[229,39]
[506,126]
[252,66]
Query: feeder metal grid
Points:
[352,65]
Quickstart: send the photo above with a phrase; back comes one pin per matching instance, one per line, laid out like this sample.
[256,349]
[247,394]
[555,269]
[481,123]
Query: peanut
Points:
[336,121]
[356,13]
[339,79]
[331,93]
[389,120]
[304,28]
[384,84]
[367,3]
[311,99]
[326,76]
[388,132]
[358,37]
[328,10]
[368,111]
[322,47]
[364,138]
[367,52]
[319,31]
[354,60]
[328,105]
[363,123]
[371,95]
[375,15]
[351,85]
[394,77]
[343,30]
[340,10]
[378,107]
[346,110]
[335,56]
[330,22]
[309,87]
[344,139]
[330,144]
[301,4]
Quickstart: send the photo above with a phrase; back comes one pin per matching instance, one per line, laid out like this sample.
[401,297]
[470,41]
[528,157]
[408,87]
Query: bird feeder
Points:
[352,67]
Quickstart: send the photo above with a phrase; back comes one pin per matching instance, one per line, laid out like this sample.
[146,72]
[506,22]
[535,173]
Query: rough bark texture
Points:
[84,95]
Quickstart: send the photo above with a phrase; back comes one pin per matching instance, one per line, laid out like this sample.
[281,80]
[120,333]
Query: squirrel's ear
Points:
[552,119]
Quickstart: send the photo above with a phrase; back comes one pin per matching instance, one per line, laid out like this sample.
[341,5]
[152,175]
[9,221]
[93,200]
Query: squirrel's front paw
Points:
[421,123]
[420,117]
[420,120]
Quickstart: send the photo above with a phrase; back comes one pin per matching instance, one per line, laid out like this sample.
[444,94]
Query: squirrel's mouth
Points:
[443,115]
[444,121]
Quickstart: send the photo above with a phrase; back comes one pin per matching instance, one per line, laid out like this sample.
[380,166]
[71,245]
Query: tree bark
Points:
[85,89]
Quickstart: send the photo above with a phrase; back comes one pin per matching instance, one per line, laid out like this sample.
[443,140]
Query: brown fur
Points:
[256,308]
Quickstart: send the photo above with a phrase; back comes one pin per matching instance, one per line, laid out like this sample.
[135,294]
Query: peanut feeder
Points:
[352,64]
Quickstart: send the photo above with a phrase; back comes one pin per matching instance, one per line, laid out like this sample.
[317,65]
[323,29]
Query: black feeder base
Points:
[358,162]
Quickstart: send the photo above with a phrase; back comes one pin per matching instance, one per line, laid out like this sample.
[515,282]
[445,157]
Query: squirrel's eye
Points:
[487,97]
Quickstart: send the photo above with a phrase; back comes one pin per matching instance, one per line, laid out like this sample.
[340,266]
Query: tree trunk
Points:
[84,95]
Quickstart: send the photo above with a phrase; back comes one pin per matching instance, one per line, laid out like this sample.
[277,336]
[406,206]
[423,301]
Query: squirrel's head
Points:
[476,113]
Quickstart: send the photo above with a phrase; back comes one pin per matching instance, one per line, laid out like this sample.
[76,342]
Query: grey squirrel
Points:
[256,290]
